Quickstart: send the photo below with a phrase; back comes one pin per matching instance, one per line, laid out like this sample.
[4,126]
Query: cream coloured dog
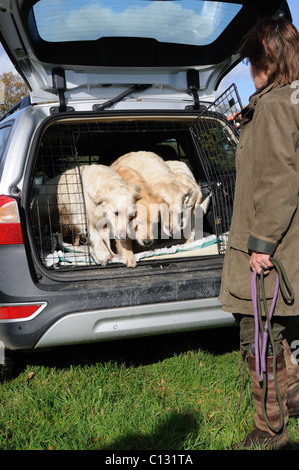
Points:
[183,174]
[161,181]
[151,209]
[105,206]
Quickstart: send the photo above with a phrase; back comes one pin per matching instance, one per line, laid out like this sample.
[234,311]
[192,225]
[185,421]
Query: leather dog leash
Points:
[263,333]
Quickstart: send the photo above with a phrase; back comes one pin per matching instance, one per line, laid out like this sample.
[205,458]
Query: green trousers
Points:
[247,331]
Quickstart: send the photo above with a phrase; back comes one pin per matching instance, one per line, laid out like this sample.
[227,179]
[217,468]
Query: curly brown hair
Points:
[272,46]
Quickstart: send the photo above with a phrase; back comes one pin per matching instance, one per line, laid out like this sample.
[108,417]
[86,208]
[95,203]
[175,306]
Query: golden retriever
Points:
[183,174]
[150,210]
[161,181]
[105,207]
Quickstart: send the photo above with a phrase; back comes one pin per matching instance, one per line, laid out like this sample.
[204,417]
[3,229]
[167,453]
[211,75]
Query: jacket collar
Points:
[261,89]
[248,111]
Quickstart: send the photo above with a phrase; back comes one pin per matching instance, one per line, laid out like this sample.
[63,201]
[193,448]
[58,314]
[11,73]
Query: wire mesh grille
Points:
[216,138]
[61,239]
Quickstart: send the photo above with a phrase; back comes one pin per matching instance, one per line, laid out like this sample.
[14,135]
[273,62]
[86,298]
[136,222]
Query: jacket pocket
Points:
[240,275]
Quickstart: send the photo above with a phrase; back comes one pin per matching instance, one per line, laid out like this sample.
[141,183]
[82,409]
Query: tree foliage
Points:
[12,90]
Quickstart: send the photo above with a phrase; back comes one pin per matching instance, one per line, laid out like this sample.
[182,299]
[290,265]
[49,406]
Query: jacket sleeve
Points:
[275,174]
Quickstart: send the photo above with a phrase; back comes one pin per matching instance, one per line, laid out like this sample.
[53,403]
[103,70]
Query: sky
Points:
[240,75]
[165,21]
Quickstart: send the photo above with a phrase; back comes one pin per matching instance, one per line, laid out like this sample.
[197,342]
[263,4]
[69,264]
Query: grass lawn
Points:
[172,392]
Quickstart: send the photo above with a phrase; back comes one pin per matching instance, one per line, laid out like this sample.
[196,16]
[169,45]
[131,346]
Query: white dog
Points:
[105,206]
[161,181]
[183,174]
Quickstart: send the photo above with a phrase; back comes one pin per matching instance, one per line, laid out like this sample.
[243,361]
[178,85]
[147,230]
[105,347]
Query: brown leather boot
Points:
[262,436]
[292,381]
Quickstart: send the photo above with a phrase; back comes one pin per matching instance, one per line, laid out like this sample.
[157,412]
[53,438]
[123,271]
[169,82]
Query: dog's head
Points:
[117,208]
[173,222]
[151,214]
[143,227]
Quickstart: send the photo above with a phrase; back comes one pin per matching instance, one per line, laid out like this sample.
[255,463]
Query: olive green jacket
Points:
[265,216]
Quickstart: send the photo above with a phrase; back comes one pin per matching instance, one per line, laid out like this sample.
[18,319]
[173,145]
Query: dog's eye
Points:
[116,213]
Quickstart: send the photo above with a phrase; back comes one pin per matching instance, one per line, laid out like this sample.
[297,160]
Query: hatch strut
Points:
[107,104]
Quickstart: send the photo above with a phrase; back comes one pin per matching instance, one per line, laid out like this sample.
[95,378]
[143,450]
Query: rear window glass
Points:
[190,22]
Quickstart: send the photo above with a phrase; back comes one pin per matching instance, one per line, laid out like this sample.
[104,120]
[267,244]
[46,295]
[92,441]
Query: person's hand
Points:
[259,261]
[236,118]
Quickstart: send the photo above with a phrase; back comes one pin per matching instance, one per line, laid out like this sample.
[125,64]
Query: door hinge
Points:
[59,85]
[194,85]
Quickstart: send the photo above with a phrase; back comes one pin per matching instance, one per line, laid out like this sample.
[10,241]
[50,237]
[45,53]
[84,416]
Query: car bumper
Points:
[141,320]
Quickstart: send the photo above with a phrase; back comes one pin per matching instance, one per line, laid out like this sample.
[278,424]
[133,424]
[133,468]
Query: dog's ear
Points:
[97,197]
[187,195]
[101,210]
[136,190]
[164,214]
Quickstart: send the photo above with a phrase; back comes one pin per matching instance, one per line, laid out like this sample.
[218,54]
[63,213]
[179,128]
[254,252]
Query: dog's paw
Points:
[101,256]
[130,261]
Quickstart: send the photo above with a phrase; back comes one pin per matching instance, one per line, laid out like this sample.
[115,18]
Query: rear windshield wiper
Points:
[107,104]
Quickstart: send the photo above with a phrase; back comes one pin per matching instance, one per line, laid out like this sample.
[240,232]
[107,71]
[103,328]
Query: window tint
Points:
[190,22]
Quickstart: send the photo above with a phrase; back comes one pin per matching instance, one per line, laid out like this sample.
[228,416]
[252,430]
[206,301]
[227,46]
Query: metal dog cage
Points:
[206,142]
[216,145]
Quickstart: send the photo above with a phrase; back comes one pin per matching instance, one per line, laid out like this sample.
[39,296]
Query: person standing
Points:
[265,221]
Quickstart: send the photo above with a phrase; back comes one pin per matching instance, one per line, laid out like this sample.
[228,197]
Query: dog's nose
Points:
[176,231]
[122,235]
[147,242]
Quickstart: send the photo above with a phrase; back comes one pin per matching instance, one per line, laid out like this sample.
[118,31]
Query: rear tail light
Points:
[10,226]
[20,311]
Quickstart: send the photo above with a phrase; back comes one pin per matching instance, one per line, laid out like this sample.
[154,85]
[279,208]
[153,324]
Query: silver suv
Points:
[108,79]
